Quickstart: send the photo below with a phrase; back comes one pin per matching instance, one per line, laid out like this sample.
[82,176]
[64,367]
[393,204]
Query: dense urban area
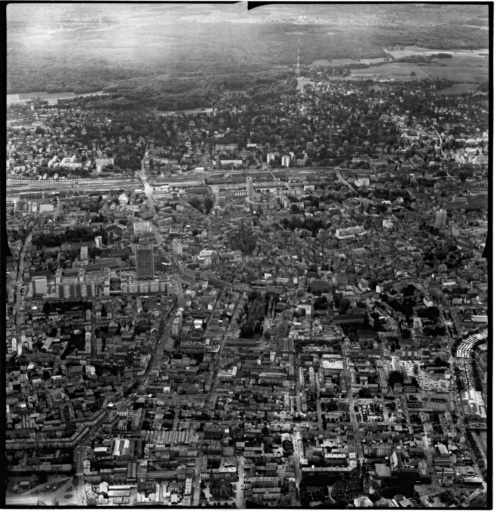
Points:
[278,300]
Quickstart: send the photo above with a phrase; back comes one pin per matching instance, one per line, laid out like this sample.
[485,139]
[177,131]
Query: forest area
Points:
[175,62]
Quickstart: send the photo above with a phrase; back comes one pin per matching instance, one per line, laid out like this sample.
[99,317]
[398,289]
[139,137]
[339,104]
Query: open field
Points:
[186,112]
[345,62]
[373,61]
[459,69]
[401,70]
[321,62]
[406,51]
[469,66]
[44,95]
[51,98]
[342,62]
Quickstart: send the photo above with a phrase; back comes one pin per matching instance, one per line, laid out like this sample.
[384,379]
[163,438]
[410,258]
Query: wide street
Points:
[227,333]
[352,411]
[296,457]
[39,495]
[200,466]
[239,491]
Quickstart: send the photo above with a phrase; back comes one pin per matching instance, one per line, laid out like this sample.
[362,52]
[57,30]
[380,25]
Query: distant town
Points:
[281,300]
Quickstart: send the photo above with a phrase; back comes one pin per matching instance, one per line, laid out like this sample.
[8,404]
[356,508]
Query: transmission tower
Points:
[298,74]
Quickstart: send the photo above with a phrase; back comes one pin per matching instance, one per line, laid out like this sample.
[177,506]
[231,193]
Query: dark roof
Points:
[41,273]
[319,285]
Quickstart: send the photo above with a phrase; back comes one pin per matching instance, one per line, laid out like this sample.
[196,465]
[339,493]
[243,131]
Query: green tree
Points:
[447,497]
[246,332]
[208,205]
[195,202]
[395,377]
[364,393]
[345,304]
[321,303]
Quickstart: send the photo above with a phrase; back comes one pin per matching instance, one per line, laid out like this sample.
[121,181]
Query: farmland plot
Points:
[472,69]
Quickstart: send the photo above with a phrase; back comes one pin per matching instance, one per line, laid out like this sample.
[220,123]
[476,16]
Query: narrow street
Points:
[429,457]
[298,387]
[319,412]
[200,463]
[157,354]
[350,397]
[342,180]
[175,424]
[93,333]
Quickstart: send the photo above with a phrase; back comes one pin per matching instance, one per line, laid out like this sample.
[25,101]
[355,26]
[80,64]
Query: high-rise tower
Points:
[145,266]
[250,188]
[441,219]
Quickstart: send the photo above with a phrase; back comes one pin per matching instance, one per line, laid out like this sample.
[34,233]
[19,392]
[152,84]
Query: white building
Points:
[177,246]
[441,219]
[250,188]
[101,163]
[123,199]
[141,227]
[46,208]
[205,257]
[177,325]
[473,404]
[40,285]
